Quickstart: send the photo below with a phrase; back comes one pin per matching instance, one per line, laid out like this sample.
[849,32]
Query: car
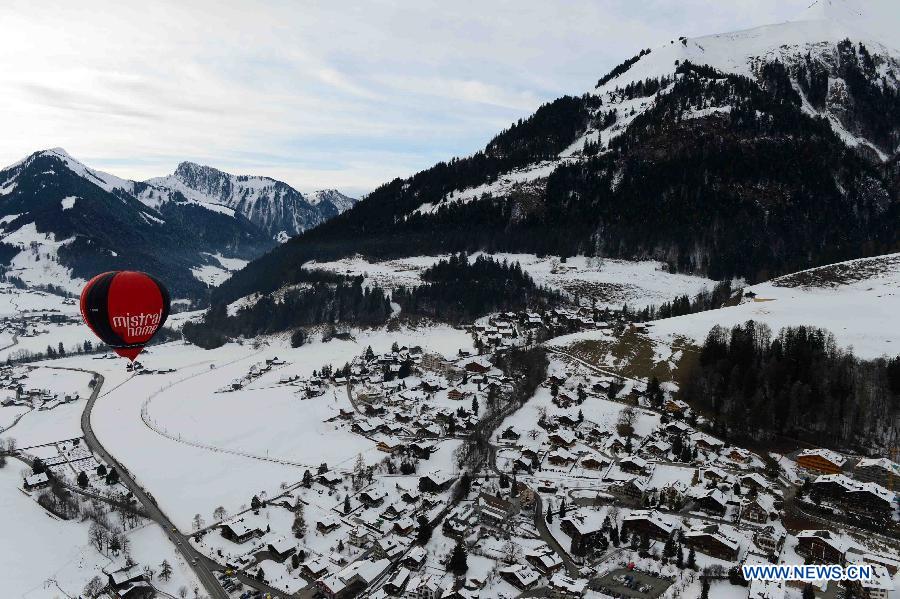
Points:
[194,561]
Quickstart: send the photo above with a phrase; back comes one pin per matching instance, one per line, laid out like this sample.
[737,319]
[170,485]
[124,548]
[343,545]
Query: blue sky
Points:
[326,94]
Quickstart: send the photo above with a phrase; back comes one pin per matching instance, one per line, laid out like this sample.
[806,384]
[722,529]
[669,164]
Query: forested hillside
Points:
[721,174]
[797,383]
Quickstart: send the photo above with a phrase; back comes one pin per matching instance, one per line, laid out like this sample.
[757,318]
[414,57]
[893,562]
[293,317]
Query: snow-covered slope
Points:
[62,221]
[274,206]
[811,39]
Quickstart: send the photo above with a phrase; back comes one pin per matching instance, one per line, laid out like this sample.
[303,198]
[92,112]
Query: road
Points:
[203,568]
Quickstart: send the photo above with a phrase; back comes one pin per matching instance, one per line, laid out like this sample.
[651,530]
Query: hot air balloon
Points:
[125,309]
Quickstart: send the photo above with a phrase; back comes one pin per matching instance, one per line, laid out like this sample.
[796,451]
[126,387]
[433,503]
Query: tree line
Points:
[798,383]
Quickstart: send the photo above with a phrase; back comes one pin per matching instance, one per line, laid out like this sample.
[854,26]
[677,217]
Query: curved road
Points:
[202,567]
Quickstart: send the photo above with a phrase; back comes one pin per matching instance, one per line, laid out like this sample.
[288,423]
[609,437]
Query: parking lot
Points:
[647,585]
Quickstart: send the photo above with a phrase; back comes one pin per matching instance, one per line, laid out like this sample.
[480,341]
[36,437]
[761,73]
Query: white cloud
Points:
[344,95]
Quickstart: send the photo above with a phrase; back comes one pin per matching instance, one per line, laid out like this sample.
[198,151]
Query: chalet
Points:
[404,526]
[393,511]
[871,499]
[822,461]
[879,586]
[706,442]
[353,579]
[561,457]
[389,547]
[510,434]
[676,406]
[436,482]
[677,428]
[715,474]
[360,536]
[314,568]
[634,465]
[397,583]
[372,497]
[430,431]
[130,583]
[713,541]
[648,522]
[520,576]
[477,367]
[389,445]
[658,448]
[822,546]
[422,450]
[634,487]
[833,486]
[567,420]
[585,529]
[281,549]
[239,531]
[415,558]
[563,586]
[410,495]
[544,559]
[594,462]
[424,587]
[562,438]
[770,538]
[712,501]
[754,481]
[36,481]
[329,479]
[758,510]
[879,470]
[327,524]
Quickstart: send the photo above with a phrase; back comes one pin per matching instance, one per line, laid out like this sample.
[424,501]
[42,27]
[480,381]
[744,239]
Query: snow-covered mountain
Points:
[746,154]
[61,222]
[276,207]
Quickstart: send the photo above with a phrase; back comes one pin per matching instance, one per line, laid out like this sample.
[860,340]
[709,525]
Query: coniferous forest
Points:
[455,290]
[797,383]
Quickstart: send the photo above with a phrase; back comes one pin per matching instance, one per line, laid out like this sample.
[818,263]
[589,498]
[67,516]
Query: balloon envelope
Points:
[125,309]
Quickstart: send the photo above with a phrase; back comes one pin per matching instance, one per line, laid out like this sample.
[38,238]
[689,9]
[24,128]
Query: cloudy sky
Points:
[319,94]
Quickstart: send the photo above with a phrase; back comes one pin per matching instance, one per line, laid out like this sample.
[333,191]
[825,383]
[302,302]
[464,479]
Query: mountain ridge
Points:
[791,143]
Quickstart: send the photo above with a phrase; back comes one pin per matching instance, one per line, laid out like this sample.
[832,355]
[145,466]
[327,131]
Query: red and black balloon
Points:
[125,309]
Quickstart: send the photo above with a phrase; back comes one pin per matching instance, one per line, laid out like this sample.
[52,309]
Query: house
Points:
[477,366]
[130,583]
[712,501]
[634,465]
[436,482]
[676,406]
[562,438]
[877,470]
[36,481]
[404,526]
[510,434]
[594,462]
[281,549]
[658,448]
[329,479]
[758,510]
[314,568]
[327,524]
[415,558]
[713,541]
[372,497]
[520,576]
[397,583]
[648,522]
[424,587]
[561,457]
[239,531]
[879,585]
[715,474]
[544,559]
[706,442]
[822,461]
[871,499]
[494,510]
[770,538]
[823,546]
[353,579]
[585,529]
[563,586]
[754,481]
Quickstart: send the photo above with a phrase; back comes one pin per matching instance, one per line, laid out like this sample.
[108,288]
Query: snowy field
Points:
[34,568]
[611,282]
[222,448]
[858,301]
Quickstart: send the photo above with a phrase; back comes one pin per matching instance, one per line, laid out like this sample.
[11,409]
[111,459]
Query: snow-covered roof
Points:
[832,456]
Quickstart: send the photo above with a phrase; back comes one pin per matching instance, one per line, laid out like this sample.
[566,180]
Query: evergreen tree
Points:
[424,530]
[458,563]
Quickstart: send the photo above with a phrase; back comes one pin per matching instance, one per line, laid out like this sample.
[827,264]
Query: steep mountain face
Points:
[273,206]
[62,222]
[746,154]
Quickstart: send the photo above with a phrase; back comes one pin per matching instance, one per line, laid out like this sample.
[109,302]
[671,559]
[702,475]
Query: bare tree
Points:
[182,591]
[94,587]
[97,535]
[198,522]
[219,513]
